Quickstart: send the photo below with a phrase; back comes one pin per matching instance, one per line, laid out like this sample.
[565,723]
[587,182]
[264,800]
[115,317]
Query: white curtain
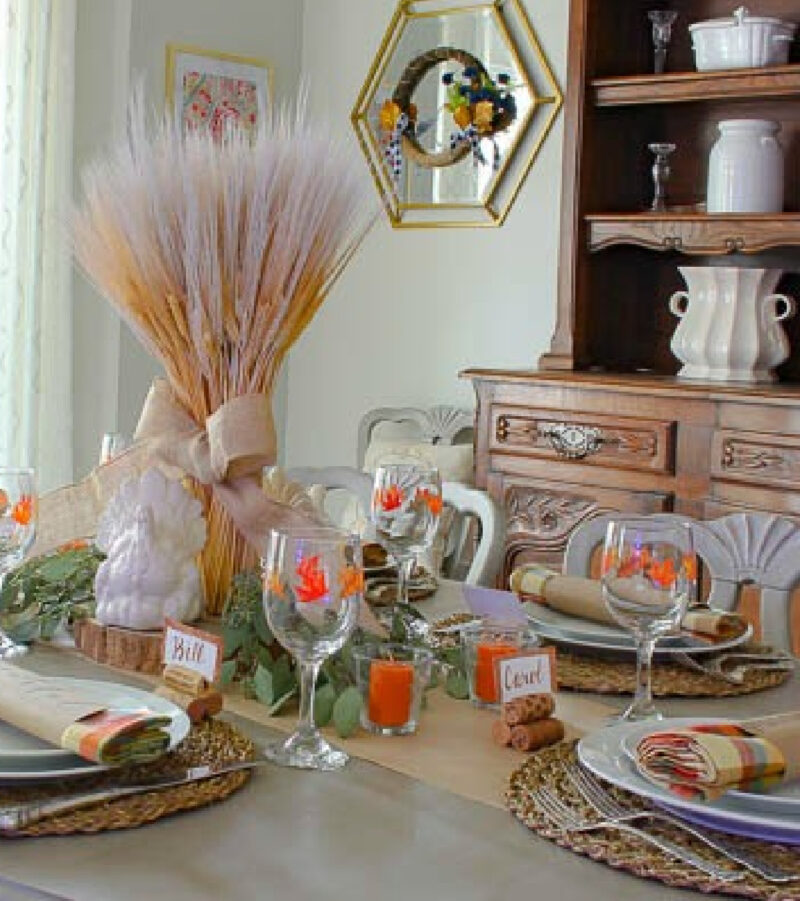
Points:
[37,40]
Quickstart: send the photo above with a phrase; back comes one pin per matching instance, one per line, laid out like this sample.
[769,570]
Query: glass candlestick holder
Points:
[662,21]
[661,172]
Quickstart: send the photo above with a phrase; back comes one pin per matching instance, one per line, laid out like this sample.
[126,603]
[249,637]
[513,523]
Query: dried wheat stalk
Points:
[217,255]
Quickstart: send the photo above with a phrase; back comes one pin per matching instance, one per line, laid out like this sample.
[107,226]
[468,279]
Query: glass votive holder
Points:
[392,679]
[483,644]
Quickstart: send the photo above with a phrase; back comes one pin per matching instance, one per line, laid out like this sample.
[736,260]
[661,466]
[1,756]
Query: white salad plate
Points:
[571,631]
[25,758]
[773,816]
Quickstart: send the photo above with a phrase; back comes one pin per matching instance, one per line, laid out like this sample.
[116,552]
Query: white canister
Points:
[745,170]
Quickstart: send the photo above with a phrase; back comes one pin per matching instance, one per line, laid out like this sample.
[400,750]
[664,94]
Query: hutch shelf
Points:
[604,423]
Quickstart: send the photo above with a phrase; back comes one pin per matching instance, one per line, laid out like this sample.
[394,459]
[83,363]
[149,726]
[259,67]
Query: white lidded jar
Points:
[745,169]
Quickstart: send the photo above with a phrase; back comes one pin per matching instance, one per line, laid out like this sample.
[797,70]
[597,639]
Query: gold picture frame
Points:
[208,88]
[539,100]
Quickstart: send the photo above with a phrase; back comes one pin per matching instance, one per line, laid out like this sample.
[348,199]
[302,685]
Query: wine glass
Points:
[17,531]
[405,510]
[649,576]
[313,585]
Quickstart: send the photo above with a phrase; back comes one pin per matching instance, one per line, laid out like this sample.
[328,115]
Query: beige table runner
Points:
[453,748]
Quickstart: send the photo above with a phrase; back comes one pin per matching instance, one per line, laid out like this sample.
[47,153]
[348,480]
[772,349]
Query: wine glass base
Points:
[639,715]
[306,751]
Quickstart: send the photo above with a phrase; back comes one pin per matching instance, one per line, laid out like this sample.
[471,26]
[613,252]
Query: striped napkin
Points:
[705,761]
[63,713]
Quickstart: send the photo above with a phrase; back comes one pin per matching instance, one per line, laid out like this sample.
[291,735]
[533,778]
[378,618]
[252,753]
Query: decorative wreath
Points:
[481,108]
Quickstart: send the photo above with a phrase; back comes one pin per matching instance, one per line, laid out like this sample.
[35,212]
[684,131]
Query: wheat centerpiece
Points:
[217,254]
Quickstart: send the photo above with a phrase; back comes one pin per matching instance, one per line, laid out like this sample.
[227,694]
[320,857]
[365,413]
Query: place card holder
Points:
[192,660]
[527,684]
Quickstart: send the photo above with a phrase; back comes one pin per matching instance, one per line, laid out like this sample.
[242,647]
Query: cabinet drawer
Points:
[585,438]
[756,458]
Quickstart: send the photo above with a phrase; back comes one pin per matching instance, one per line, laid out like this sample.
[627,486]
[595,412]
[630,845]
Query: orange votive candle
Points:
[391,684]
[485,673]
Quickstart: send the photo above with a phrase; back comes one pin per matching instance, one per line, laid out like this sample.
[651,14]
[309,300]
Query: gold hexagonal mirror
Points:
[453,112]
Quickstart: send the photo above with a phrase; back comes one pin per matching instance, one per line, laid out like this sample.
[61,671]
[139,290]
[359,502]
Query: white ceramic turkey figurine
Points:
[151,533]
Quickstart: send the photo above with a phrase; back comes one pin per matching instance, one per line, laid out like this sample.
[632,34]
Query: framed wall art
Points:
[217,91]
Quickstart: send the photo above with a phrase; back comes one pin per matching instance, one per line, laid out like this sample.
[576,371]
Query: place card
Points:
[193,649]
[532,672]
[495,605]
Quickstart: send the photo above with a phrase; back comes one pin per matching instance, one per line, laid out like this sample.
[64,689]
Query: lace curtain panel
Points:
[36,111]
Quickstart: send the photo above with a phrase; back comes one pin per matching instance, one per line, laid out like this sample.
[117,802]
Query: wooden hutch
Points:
[604,424]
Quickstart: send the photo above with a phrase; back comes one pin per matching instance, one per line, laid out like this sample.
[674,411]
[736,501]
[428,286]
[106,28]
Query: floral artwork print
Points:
[218,103]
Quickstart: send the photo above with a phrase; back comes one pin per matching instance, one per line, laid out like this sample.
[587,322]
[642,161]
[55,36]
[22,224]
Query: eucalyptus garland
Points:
[268,673]
[49,591]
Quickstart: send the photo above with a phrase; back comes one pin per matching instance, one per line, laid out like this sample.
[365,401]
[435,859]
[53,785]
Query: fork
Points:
[570,821]
[608,806]
[736,675]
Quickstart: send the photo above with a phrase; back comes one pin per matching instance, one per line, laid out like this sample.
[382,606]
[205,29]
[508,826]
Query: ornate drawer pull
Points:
[572,441]
[672,242]
[732,244]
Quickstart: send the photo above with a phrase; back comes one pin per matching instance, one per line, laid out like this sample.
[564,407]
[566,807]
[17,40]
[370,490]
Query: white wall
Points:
[417,306]
[110,397]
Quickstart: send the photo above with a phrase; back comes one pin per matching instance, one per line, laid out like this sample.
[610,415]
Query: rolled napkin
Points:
[52,709]
[707,760]
[583,598]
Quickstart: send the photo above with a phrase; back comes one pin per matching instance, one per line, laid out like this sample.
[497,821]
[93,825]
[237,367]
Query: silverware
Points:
[19,816]
[568,820]
[608,806]
[776,662]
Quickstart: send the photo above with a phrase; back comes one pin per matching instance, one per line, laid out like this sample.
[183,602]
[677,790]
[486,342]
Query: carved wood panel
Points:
[540,516]
[590,439]
[757,458]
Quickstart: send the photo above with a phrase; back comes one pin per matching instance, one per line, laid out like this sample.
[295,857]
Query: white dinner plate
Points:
[24,757]
[604,753]
[782,800]
[571,631]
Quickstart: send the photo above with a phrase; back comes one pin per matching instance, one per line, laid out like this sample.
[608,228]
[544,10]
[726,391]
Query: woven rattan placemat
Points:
[670,680]
[610,676]
[626,852]
[212,742]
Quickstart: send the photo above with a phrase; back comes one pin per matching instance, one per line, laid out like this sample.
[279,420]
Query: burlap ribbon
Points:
[228,455]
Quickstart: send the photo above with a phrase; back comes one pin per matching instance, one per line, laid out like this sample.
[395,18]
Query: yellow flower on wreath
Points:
[483,116]
[388,115]
[463,116]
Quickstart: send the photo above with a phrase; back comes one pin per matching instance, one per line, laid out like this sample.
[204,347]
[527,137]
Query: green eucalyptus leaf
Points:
[347,711]
[456,685]
[227,672]
[261,627]
[279,704]
[233,639]
[324,699]
[249,688]
[60,567]
[283,677]
[263,685]
[264,657]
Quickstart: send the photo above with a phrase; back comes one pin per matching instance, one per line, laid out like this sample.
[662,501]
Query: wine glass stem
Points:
[308,680]
[643,699]
[404,569]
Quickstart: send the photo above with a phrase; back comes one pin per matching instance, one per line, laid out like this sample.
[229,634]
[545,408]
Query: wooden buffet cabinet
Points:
[604,424]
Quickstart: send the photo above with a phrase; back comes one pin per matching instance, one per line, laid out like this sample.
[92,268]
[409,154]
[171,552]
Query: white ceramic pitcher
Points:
[729,327]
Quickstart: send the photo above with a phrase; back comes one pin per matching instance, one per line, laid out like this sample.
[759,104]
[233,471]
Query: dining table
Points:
[363,832]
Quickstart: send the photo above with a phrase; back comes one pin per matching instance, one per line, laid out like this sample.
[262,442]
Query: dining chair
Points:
[471,505]
[761,549]
[440,435]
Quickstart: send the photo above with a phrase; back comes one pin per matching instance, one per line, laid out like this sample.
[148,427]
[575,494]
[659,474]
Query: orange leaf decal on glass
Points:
[351,581]
[23,511]
[690,566]
[274,585]
[313,584]
[434,501]
[389,499]
[662,572]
